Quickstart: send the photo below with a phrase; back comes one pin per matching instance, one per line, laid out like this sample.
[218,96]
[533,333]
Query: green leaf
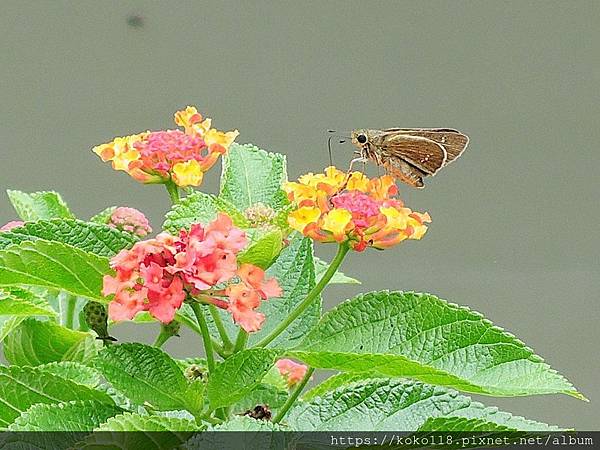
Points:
[251,175]
[137,422]
[91,237]
[338,277]
[423,337]
[238,375]
[148,375]
[258,434]
[54,265]
[73,371]
[294,270]
[262,394]
[245,423]
[8,324]
[39,205]
[70,416]
[15,301]
[103,216]
[461,424]
[134,431]
[35,342]
[200,208]
[263,248]
[331,384]
[386,405]
[22,387]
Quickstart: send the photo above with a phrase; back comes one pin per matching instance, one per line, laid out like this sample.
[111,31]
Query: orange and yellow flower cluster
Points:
[170,155]
[339,207]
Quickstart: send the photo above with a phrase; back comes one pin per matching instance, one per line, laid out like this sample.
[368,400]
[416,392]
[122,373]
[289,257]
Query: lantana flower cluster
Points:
[337,207]
[292,371]
[131,220]
[177,156]
[158,275]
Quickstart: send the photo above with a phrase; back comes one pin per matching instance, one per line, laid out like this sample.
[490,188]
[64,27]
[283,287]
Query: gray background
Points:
[514,231]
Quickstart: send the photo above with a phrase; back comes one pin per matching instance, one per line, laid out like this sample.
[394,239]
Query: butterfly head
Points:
[360,138]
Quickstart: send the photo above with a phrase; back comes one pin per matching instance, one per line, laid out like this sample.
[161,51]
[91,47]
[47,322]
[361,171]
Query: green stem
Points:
[312,295]
[240,342]
[71,303]
[206,339]
[161,339]
[173,191]
[294,396]
[220,327]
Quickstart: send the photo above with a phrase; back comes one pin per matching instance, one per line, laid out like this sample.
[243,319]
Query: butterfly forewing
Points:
[453,140]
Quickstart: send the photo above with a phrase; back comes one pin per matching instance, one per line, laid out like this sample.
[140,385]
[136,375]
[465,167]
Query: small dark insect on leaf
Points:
[135,21]
[260,412]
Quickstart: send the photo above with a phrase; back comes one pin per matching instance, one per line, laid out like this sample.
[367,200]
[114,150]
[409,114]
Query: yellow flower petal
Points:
[120,151]
[358,182]
[188,173]
[213,136]
[396,218]
[303,216]
[336,221]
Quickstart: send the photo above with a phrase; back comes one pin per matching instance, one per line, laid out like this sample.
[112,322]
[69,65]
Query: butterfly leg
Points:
[360,158]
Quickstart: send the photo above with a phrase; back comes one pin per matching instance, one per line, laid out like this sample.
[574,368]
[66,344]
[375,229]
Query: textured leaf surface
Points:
[262,249]
[8,324]
[91,237]
[386,405]
[35,342]
[200,208]
[238,375]
[53,265]
[338,277]
[421,336]
[263,394]
[39,205]
[148,375]
[73,371]
[244,423]
[258,435]
[294,270]
[331,384]
[151,433]
[71,416]
[21,302]
[137,422]
[251,175]
[22,387]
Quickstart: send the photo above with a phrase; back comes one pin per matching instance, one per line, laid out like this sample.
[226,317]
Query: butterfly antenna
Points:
[329,149]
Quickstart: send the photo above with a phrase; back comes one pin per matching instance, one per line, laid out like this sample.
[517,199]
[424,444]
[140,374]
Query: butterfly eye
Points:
[361,138]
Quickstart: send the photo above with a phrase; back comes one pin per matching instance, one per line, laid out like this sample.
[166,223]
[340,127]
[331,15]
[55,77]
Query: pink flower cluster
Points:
[157,275]
[292,371]
[130,220]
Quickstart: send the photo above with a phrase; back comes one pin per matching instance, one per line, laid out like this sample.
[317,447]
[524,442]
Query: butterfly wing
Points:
[453,141]
[404,171]
[425,154]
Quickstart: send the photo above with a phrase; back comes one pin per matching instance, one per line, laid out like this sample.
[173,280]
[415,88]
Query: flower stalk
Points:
[173,191]
[227,344]
[310,298]
[206,338]
[294,396]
